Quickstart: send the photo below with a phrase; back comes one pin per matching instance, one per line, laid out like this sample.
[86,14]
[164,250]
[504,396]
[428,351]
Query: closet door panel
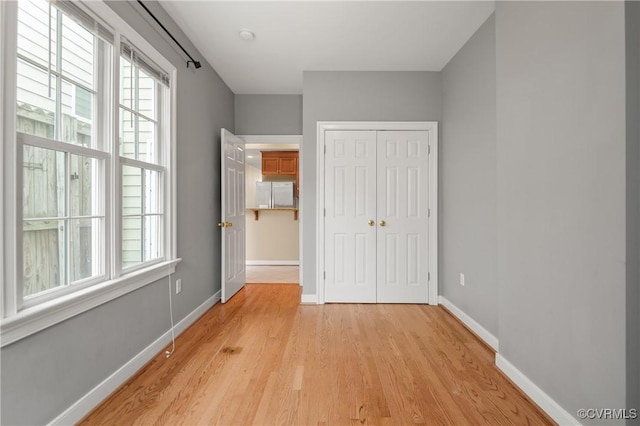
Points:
[350,202]
[402,235]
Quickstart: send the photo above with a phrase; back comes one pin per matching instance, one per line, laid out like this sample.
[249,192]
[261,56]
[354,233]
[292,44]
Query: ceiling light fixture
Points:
[246,35]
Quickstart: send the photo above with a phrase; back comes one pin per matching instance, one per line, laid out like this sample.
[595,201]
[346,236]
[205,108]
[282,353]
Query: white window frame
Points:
[16,323]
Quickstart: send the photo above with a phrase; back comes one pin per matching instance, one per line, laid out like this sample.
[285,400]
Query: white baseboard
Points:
[309,298]
[95,396]
[482,332]
[273,262]
[544,401]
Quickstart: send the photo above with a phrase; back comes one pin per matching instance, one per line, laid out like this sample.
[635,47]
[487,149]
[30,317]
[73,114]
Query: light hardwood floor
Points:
[264,359]
[280,274]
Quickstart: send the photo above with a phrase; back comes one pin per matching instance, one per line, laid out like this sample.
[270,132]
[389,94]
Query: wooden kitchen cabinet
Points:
[281,163]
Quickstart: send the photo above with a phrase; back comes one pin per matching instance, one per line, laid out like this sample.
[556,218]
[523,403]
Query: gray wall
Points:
[633,205]
[561,197]
[468,179]
[42,375]
[351,96]
[268,114]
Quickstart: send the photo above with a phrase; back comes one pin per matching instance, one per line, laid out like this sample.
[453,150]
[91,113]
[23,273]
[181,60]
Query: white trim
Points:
[433,218]
[272,140]
[301,193]
[126,161]
[88,402]
[52,144]
[172,239]
[10,213]
[31,320]
[429,126]
[309,298]
[472,324]
[274,262]
[544,401]
[2,119]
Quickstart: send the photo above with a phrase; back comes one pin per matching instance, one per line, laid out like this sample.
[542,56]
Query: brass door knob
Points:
[383,223]
[371,223]
[220,224]
[228,224]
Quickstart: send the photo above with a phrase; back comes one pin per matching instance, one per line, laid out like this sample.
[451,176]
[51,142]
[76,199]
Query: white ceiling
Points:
[297,36]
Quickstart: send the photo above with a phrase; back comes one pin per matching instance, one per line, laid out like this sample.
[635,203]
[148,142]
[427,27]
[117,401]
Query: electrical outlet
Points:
[461,279]
[178,285]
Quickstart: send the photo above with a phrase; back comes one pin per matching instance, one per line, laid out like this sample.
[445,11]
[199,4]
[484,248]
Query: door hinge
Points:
[428,212]
[428,276]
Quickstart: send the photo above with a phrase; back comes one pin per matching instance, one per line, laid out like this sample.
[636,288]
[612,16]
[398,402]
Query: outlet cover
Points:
[461,279]
[178,285]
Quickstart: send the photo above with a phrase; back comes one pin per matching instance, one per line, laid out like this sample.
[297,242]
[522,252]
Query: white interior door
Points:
[350,216]
[403,217]
[233,215]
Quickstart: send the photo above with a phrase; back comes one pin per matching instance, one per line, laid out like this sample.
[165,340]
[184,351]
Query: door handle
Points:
[221,225]
[383,223]
[228,224]
[371,223]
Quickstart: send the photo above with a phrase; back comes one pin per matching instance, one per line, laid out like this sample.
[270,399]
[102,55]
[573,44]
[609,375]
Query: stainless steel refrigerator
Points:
[275,194]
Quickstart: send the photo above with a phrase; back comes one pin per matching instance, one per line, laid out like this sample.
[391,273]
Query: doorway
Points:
[273,233]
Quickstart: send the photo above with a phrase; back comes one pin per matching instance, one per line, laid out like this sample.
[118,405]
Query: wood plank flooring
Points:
[264,359]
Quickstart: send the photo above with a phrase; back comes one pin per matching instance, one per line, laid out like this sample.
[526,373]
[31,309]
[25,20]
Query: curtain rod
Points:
[195,63]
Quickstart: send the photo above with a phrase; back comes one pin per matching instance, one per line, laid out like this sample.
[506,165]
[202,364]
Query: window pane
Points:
[44,183]
[126,83]
[43,255]
[77,52]
[35,108]
[152,192]
[87,249]
[33,31]
[84,186]
[75,128]
[131,190]
[127,134]
[84,103]
[152,237]
[146,95]
[131,241]
[147,141]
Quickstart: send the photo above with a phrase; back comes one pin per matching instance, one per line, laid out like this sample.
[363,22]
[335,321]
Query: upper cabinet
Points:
[281,163]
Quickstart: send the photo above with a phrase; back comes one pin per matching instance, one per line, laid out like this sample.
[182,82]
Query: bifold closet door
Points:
[350,216]
[402,217]
[377,217]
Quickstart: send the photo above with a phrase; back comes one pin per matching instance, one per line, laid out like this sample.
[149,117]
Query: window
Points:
[142,93]
[63,206]
[90,164]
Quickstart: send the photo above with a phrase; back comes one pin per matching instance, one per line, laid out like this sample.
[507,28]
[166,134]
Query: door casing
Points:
[429,126]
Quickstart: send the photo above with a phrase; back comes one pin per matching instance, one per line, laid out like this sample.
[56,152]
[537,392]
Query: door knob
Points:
[220,224]
[383,223]
[371,223]
[228,224]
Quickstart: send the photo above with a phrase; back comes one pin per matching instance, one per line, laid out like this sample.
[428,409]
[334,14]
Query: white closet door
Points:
[350,227]
[402,216]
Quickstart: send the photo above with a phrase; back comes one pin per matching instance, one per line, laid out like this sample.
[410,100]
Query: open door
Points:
[232,215]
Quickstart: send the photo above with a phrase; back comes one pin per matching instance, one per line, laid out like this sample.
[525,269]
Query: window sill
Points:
[37,318]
